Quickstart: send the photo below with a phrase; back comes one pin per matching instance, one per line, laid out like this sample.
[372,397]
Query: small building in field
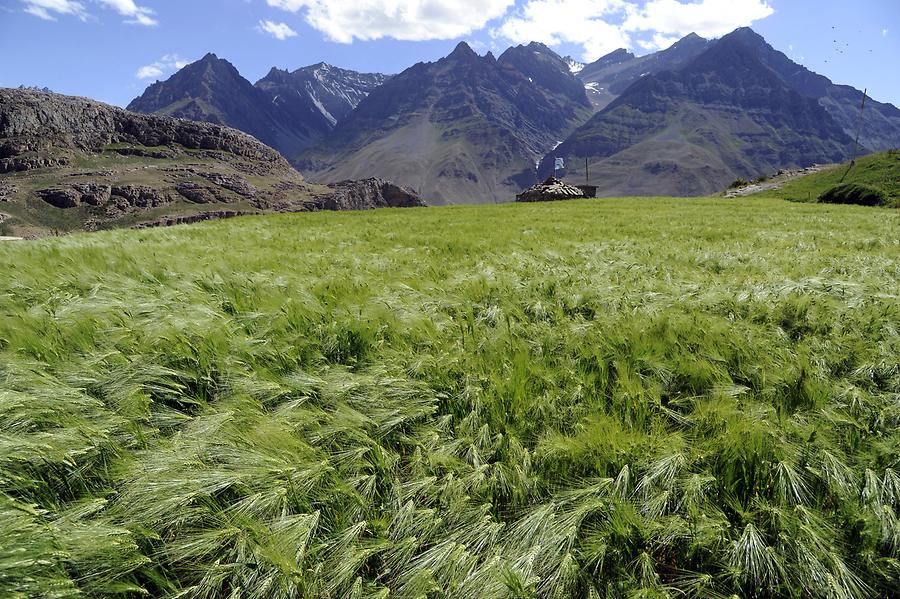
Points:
[553,190]
[590,191]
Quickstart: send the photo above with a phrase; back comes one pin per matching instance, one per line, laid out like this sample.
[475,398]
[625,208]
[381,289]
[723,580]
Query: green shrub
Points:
[739,182]
[854,193]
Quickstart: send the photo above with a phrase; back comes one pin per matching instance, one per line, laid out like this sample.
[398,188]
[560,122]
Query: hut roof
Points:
[550,190]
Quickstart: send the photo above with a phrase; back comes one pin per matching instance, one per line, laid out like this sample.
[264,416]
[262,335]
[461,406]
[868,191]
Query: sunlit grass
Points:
[614,398]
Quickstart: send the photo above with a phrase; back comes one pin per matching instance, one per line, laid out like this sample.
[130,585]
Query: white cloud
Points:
[583,22]
[166,64]
[412,20]
[707,18]
[151,71]
[884,32]
[50,9]
[600,26]
[279,31]
[136,15]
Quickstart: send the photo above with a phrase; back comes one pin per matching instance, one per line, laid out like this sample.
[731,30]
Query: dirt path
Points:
[775,182]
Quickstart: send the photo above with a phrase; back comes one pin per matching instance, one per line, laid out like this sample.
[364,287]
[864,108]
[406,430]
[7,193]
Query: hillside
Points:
[723,115]
[464,129]
[632,397]
[881,171]
[69,164]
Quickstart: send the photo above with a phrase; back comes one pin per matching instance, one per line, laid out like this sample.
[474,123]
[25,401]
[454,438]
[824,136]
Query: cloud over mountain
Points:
[167,64]
[600,26]
[411,20]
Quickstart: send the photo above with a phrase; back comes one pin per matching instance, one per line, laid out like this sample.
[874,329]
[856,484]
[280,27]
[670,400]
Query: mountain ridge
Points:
[212,90]
[461,129]
[723,115]
[287,110]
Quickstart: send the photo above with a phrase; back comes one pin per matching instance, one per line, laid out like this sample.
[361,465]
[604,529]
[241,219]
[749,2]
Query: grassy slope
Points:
[607,398]
[879,170]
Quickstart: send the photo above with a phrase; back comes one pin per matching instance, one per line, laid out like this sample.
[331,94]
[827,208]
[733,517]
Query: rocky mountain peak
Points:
[276,72]
[691,38]
[463,51]
[614,57]
[547,69]
[747,36]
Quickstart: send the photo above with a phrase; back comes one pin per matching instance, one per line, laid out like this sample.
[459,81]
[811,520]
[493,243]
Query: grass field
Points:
[611,398]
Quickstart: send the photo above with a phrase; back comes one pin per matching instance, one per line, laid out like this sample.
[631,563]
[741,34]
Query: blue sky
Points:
[112,49]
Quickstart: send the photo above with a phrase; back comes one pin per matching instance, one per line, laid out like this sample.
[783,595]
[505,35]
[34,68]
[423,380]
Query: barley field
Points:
[611,398]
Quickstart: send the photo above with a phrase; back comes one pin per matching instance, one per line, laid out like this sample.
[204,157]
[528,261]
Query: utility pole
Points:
[587,176]
[862,111]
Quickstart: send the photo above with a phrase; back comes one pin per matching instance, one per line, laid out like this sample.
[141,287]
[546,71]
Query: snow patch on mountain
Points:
[575,67]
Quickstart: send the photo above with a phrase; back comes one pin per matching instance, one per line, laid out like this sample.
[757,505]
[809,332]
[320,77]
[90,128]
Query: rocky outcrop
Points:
[141,196]
[551,190]
[95,194]
[171,221]
[36,127]
[60,197]
[234,183]
[368,194]
[18,164]
[198,194]
[145,153]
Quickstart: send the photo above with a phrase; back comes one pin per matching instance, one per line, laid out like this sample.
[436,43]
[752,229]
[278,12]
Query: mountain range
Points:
[288,111]
[464,129]
[686,120]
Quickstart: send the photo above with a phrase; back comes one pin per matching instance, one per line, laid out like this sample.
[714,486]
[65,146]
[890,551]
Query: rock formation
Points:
[368,194]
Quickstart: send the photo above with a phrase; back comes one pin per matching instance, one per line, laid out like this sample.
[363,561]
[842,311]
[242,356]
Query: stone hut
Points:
[551,190]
